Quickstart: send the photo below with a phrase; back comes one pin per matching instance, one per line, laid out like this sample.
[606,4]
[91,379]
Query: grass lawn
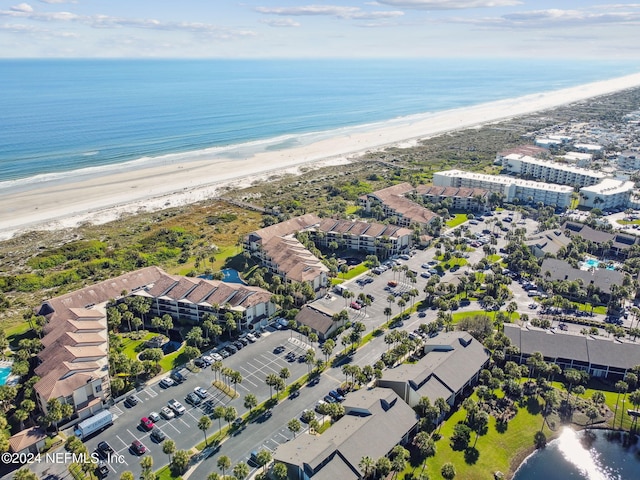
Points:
[169,362]
[133,347]
[460,262]
[494,451]
[460,315]
[628,222]
[602,309]
[458,219]
[351,209]
[354,272]
[494,258]
[17,333]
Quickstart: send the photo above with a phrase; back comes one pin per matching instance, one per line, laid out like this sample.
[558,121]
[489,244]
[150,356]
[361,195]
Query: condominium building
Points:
[608,194]
[552,172]
[394,203]
[461,198]
[525,191]
[629,160]
[277,248]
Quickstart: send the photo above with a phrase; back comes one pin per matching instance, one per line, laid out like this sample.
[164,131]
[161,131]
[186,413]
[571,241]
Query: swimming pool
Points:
[231,276]
[592,263]
[4,374]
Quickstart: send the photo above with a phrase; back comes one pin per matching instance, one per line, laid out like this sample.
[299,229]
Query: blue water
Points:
[592,263]
[4,374]
[231,276]
[567,458]
[62,115]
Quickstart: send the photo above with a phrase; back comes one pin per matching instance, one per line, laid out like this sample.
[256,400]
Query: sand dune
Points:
[104,197]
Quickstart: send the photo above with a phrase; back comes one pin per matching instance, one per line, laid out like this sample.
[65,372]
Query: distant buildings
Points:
[600,357]
[608,194]
[547,242]
[277,248]
[453,361]
[375,421]
[629,160]
[319,320]
[614,243]
[551,172]
[394,203]
[460,198]
[525,191]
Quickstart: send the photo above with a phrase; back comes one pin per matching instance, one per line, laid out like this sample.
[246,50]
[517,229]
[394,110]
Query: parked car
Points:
[201,392]
[158,435]
[176,406]
[154,416]
[167,382]
[370,297]
[193,399]
[216,357]
[329,399]
[146,423]
[138,448]
[243,341]
[177,377]
[355,305]
[200,363]
[102,470]
[208,359]
[131,401]
[167,413]
[239,345]
[336,395]
[251,337]
[104,450]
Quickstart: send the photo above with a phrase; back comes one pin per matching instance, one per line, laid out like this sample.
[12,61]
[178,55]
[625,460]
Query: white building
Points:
[526,191]
[629,160]
[588,147]
[552,172]
[578,158]
[609,193]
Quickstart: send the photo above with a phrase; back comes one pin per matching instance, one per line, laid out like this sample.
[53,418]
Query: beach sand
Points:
[106,196]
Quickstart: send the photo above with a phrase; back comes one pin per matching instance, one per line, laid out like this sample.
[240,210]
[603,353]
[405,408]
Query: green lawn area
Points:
[17,333]
[354,272]
[458,219]
[169,362]
[494,258]
[601,309]
[495,450]
[132,347]
[460,315]
[351,209]
[629,222]
[452,262]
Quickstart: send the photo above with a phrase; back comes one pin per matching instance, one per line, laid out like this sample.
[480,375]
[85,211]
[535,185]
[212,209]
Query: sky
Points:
[583,29]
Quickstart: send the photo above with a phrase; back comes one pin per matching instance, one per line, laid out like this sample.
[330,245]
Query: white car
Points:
[201,392]
[216,357]
[167,382]
[207,359]
[167,413]
[176,406]
[251,337]
[154,417]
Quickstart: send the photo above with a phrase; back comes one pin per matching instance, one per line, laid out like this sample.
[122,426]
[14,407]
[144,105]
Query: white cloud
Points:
[330,11]
[449,4]
[280,22]
[25,11]
[58,1]
[34,30]
[22,8]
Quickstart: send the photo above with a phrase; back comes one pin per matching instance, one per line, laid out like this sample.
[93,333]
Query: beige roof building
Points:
[394,203]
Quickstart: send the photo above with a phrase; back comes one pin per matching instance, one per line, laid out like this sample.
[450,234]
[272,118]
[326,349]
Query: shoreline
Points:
[105,196]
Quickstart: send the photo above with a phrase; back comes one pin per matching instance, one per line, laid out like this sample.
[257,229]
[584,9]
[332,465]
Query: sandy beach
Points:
[106,196]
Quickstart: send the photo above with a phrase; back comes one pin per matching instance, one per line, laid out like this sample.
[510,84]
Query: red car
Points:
[356,306]
[138,448]
[146,423]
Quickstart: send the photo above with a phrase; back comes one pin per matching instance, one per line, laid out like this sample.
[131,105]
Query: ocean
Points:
[582,456]
[60,118]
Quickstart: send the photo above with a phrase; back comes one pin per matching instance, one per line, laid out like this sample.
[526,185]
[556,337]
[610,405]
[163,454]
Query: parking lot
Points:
[254,362]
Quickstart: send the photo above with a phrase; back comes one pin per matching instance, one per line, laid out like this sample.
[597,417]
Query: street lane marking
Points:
[173,426]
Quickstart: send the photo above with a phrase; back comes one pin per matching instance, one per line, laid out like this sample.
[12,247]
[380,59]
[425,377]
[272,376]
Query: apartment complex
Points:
[394,203]
[277,248]
[629,160]
[608,194]
[552,172]
[375,421]
[190,298]
[74,366]
[525,191]
[461,198]
[453,362]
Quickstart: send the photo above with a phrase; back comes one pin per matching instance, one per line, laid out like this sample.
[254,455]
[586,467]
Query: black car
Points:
[243,341]
[102,470]
[238,344]
[279,349]
[104,450]
[232,348]
[198,362]
[370,297]
[131,401]
[177,377]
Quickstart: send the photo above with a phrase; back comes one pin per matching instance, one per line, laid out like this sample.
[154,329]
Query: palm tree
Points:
[367,465]
[224,463]
[621,387]
[204,424]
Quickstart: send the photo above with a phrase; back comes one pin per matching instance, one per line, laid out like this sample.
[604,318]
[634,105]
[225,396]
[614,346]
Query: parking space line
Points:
[173,426]
[123,442]
[116,411]
[185,423]
[151,392]
[132,435]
